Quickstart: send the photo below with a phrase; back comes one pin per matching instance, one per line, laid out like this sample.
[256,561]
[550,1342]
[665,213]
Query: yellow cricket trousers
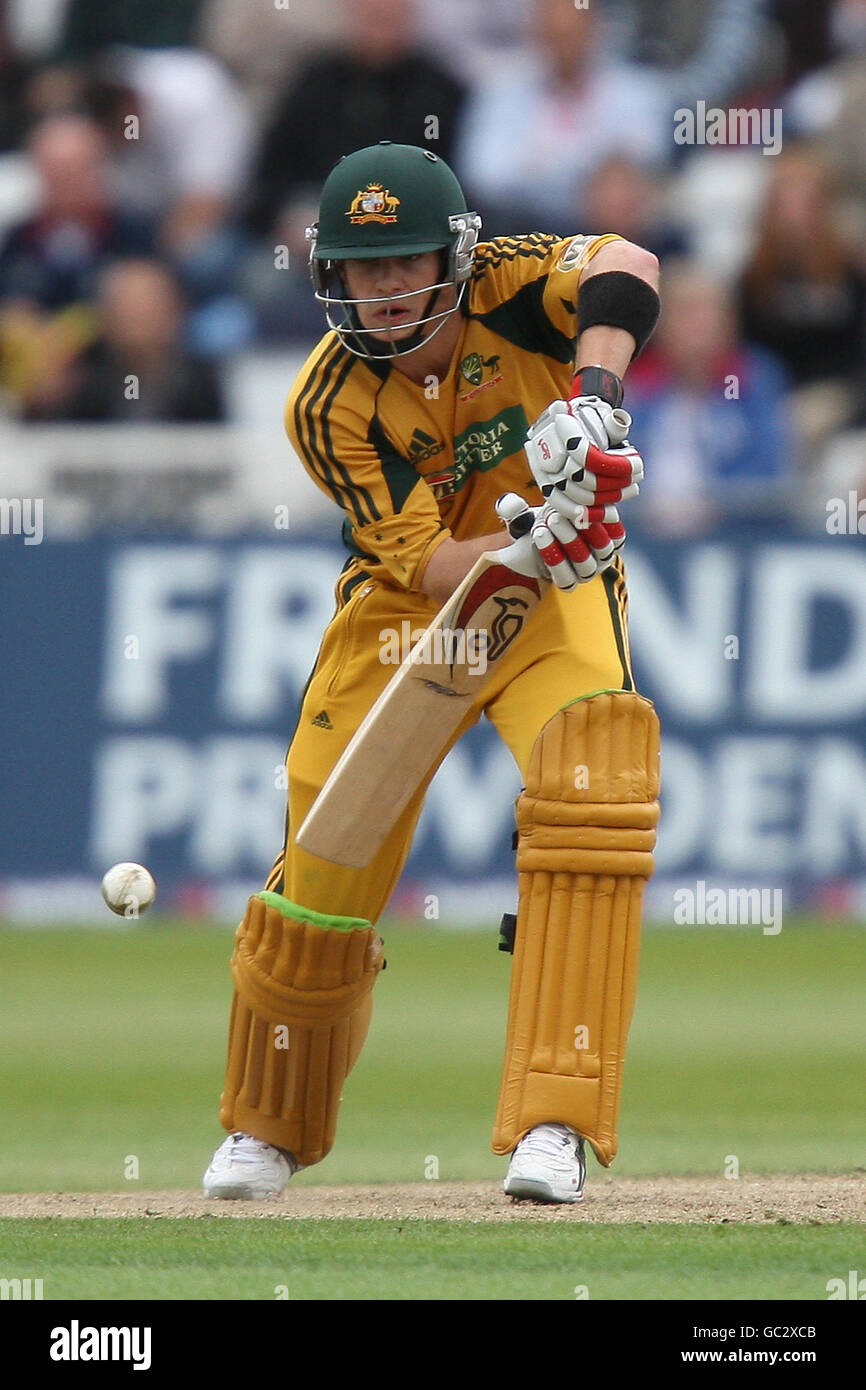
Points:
[575,643]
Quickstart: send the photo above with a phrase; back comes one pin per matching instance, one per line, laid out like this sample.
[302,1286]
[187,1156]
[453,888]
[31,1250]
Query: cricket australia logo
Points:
[373,204]
[473,369]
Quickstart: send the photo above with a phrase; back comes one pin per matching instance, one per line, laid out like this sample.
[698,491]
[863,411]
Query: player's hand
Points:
[550,546]
[579,454]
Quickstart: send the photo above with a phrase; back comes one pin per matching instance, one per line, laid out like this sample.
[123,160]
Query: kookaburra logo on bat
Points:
[506,625]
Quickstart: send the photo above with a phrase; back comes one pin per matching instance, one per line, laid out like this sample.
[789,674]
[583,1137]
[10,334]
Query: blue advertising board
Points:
[150,687]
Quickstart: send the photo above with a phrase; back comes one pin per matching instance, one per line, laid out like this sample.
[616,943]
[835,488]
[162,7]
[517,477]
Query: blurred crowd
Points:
[160,160]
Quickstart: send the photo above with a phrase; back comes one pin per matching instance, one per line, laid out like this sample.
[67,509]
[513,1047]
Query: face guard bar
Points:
[342,311]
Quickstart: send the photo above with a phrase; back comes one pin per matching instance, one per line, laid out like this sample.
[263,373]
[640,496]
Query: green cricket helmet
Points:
[390,200]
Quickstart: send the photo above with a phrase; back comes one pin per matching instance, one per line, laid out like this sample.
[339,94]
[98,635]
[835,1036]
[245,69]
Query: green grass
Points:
[113,1045]
[210,1258]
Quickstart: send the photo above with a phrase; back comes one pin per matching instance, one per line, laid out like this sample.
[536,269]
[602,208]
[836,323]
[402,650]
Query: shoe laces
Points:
[550,1139]
[246,1148]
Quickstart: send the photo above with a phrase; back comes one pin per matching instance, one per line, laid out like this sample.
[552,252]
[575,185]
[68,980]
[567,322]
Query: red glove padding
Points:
[568,552]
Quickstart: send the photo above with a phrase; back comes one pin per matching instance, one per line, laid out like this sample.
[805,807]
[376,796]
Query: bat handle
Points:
[522,525]
[516,515]
[618,427]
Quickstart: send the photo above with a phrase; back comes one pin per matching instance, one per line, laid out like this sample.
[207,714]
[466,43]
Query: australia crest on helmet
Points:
[375,203]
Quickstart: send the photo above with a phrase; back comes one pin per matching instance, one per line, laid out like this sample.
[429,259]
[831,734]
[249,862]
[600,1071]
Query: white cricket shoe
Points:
[248,1169]
[548,1165]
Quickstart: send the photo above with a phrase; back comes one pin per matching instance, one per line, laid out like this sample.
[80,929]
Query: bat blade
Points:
[418,712]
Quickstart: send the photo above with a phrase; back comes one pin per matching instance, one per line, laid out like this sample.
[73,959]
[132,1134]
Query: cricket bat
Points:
[417,713]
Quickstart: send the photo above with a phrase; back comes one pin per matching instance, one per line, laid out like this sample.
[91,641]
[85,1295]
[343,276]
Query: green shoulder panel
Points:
[522,320]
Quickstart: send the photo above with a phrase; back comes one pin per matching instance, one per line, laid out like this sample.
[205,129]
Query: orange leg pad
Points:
[587,822]
[300,1014]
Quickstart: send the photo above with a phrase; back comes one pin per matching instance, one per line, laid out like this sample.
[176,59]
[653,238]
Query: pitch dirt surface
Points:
[802,1198]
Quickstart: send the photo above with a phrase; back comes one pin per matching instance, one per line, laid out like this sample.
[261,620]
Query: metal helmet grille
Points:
[341,310]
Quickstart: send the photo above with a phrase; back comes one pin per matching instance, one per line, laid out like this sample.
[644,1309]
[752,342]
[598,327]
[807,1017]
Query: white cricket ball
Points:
[129,889]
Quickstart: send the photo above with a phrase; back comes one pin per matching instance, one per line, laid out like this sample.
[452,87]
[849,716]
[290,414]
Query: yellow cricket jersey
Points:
[413,464]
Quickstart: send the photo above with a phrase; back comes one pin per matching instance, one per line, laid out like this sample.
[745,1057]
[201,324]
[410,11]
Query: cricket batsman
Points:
[462,385]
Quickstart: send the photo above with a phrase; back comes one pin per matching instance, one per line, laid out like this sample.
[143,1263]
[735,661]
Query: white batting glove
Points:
[580,457]
[551,546]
